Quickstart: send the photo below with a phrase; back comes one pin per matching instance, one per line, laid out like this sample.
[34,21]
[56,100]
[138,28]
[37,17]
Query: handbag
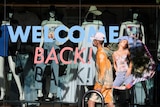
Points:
[19,68]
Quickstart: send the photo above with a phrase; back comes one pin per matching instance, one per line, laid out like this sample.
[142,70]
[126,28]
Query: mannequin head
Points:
[52,14]
[9,12]
[52,11]
[10,15]
[135,16]
[92,14]
[94,10]
[90,17]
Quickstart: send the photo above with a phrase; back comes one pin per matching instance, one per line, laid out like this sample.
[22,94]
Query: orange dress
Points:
[104,79]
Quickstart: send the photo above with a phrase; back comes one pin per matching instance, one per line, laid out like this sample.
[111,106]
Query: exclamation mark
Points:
[88,75]
[90,55]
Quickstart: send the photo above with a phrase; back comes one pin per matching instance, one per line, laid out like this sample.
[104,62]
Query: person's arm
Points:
[101,67]
[114,61]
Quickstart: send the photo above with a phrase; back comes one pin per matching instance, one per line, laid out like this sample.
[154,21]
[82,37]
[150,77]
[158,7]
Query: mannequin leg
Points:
[146,92]
[2,82]
[40,93]
[39,71]
[53,81]
[16,77]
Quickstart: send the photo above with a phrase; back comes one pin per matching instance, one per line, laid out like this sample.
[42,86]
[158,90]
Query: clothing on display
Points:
[4,40]
[88,71]
[25,54]
[52,24]
[6,52]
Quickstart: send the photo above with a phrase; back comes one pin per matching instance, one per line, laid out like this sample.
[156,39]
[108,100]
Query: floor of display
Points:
[35,104]
[42,105]
[58,104]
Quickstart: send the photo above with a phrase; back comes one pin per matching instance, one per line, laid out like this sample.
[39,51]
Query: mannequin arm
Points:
[42,39]
[122,28]
[143,38]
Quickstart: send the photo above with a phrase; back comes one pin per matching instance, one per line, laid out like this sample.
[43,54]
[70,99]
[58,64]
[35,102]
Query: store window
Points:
[61,78]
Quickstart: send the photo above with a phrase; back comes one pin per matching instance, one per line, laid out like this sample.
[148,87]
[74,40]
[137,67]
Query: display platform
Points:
[16,103]
[58,104]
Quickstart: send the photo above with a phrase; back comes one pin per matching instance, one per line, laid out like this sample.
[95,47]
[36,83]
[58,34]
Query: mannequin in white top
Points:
[52,24]
[87,71]
[131,27]
[12,65]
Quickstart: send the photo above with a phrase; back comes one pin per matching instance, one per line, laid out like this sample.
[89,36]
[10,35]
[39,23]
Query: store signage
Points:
[36,33]
[36,38]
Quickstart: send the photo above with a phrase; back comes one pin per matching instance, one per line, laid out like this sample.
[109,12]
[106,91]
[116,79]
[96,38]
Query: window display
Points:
[68,80]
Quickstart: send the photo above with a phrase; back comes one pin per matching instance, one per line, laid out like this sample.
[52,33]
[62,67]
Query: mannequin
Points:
[135,26]
[79,73]
[87,71]
[52,24]
[26,54]
[8,54]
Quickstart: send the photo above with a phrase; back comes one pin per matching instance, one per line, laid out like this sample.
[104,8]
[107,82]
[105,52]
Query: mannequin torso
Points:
[52,24]
[135,28]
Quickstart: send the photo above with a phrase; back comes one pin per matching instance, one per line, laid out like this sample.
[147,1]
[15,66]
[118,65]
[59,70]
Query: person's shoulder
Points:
[127,51]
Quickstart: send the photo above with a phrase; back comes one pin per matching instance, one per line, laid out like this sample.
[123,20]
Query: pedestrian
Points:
[104,77]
